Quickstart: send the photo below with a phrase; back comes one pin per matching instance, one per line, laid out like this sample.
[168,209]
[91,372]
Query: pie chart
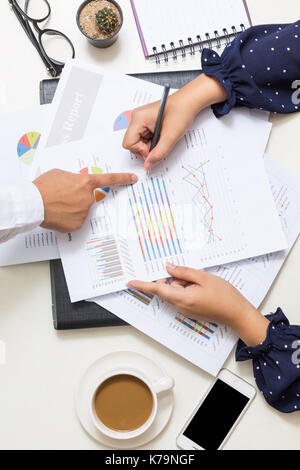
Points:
[100,193]
[123,121]
[27,146]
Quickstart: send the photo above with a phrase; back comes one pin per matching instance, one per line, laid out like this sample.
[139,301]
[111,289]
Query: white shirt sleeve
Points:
[21,209]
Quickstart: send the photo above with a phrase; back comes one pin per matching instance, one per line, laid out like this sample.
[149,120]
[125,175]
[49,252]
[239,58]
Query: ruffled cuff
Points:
[212,66]
[232,74]
[276,363]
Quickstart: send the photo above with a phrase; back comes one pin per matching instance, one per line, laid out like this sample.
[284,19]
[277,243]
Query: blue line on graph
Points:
[148,208]
[156,219]
[157,201]
[145,240]
[163,202]
[168,201]
[134,218]
[150,239]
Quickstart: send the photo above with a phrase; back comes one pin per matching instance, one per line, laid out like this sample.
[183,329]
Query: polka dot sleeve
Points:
[276,363]
[259,69]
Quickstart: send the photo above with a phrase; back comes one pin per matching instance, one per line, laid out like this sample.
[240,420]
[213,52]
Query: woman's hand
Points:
[198,294]
[180,111]
[67,197]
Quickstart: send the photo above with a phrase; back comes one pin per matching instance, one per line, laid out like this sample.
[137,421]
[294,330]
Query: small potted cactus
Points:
[100,21]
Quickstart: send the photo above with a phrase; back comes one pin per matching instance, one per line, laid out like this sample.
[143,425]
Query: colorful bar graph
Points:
[207,330]
[104,256]
[140,222]
[147,227]
[141,296]
[161,216]
[157,224]
[171,215]
[154,219]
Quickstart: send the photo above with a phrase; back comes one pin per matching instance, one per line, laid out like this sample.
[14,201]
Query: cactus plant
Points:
[107,20]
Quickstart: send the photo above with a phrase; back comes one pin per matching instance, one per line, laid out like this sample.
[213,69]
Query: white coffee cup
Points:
[156,387]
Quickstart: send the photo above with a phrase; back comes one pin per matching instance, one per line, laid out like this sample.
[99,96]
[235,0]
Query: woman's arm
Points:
[198,294]
[259,69]
[181,109]
[270,342]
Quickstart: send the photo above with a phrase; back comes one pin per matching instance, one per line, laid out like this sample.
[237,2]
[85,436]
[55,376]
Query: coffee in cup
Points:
[124,403]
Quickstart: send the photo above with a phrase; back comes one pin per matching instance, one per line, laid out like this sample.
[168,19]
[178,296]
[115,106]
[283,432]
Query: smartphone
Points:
[218,413]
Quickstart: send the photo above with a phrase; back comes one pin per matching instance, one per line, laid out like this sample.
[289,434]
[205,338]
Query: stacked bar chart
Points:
[201,328]
[104,259]
[140,296]
[154,220]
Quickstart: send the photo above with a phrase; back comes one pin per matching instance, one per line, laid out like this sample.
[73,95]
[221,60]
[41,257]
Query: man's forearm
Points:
[21,209]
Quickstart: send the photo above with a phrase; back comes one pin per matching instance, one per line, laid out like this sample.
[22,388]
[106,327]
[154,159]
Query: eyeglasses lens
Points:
[56,46]
[34,9]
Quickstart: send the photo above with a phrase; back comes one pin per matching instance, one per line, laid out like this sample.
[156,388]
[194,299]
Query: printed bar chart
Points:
[140,296]
[154,220]
[104,258]
[206,330]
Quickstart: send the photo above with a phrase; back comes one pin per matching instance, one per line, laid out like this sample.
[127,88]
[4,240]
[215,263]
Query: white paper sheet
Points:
[209,202]
[20,135]
[210,345]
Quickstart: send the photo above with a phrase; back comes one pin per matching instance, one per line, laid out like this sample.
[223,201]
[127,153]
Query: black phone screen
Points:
[216,416]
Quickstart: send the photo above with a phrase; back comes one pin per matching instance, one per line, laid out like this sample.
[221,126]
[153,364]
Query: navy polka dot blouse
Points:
[259,69]
[276,363]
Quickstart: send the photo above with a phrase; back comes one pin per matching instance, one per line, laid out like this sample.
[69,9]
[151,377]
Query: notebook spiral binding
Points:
[189,46]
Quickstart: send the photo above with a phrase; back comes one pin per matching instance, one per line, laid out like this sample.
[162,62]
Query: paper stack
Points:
[214,203]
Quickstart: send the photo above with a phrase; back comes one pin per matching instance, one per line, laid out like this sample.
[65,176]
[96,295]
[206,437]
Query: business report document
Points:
[20,134]
[208,203]
[207,344]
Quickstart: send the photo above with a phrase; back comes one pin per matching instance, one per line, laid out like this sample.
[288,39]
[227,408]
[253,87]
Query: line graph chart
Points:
[196,177]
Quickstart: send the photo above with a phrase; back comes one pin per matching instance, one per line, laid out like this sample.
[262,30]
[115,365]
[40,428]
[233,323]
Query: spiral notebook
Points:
[170,29]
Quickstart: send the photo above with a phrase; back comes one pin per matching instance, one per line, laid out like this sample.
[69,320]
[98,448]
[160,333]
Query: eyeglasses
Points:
[54,47]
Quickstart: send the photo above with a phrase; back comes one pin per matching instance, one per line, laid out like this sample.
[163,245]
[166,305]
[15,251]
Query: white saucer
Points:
[116,360]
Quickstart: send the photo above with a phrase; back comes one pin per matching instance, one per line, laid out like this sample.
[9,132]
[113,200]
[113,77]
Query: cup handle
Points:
[165,383]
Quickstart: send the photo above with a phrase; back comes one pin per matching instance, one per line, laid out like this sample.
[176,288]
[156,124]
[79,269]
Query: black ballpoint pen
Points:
[159,121]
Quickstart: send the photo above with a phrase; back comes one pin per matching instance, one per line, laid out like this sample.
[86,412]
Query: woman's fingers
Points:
[179,283]
[163,147]
[137,146]
[138,135]
[163,290]
[187,274]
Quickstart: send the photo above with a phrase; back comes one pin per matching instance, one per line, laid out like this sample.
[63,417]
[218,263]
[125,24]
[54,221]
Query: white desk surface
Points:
[42,366]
